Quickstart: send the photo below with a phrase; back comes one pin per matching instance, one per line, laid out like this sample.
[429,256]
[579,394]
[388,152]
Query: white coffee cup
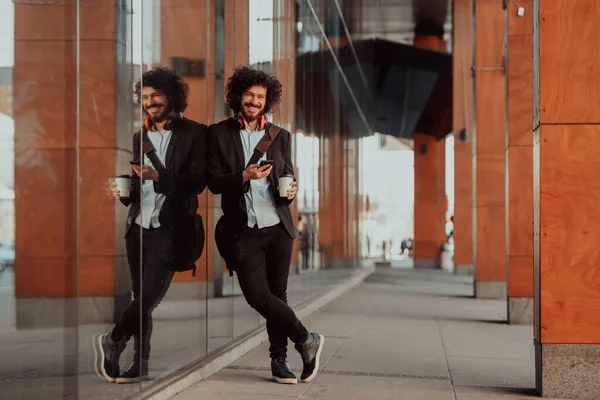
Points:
[285,184]
[123,183]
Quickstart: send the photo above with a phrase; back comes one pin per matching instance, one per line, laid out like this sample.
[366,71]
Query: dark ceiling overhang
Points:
[401,89]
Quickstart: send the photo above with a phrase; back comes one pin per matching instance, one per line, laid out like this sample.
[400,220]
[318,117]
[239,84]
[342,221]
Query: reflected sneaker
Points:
[106,357]
[137,372]
[310,351]
[281,372]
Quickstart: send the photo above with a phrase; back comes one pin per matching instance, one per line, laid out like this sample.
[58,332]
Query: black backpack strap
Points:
[265,142]
[149,150]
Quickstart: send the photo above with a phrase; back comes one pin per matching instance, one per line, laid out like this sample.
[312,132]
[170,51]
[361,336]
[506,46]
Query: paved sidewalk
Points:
[402,334]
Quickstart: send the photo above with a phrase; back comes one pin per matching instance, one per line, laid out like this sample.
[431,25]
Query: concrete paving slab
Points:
[480,339]
[404,334]
[492,372]
[247,382]
[369,388]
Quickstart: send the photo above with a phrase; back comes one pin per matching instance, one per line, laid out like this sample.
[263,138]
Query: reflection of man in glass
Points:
[257,217]
[162,215]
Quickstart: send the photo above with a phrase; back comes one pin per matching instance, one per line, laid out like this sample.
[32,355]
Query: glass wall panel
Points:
[69,113]
[39,202]
[220,50]
[176,35]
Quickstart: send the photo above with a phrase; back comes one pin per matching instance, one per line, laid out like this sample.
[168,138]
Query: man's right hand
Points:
[255,171]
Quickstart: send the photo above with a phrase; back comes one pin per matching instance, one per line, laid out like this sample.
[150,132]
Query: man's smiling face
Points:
[156,104]
[253,102]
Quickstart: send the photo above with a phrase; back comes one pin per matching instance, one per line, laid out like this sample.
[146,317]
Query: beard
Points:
[256,111]
[162,116]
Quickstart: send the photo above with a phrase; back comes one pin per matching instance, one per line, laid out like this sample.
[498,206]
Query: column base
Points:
[341,262]
[491,290]
[196,290]
[568,371]
[35,313]
[427,263]
[383,263]
[520,310]
[464,269]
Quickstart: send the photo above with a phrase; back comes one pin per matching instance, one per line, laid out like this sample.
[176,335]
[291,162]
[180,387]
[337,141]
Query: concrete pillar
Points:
[490,151]
[338,171]
[430,187]
[463,127]
[519,212]
[338,222]
[566,126]
[70,265]
[430,200]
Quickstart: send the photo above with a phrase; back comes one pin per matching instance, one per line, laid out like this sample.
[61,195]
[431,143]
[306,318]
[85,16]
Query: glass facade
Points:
[68,113]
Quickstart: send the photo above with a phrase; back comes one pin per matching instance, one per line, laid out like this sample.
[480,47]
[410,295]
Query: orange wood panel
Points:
[97,94]
[490,186]
[96,211]
[97,276]
[48,230]
[491,247]
[43,123]
[569,233]
[463,234]
[520,25]
[463,169]
[520,91]
[520,201]
[520,151]
[183,31]
[45,277]
[491,112]
[570,57]
[490,28]
[189,39]
[520,276]
[430,198]
[462,105]
[53,22]
[490,151]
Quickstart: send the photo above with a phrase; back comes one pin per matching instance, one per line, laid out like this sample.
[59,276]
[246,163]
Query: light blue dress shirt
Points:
[259,199]
[152,202]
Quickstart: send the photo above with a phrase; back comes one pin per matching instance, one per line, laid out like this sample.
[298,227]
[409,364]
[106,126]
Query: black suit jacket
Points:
[226,165]
[181,183]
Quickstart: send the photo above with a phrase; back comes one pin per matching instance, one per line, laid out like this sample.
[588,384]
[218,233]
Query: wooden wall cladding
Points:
[569,62]
[570,233]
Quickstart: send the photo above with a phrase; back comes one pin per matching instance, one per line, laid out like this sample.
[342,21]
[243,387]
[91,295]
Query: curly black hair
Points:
[243,78]
[168,82]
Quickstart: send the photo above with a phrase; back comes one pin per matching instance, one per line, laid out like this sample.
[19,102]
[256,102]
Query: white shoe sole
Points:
[132,380]
[317,359]
[286,381]
[99,359]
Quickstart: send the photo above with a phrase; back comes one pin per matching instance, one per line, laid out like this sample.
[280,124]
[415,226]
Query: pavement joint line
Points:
[343,342]
[351,373]
[437,322]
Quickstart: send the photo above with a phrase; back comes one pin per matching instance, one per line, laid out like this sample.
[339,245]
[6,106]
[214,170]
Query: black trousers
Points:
[262,264]
[150,280]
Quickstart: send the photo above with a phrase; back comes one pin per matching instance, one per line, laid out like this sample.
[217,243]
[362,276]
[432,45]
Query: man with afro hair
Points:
[256,233]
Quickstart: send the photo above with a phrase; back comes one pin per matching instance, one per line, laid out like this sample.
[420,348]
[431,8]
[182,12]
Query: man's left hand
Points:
[146,172]
[292,191]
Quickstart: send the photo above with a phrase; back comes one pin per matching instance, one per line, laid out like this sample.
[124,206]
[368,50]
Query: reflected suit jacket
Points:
[181,183]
